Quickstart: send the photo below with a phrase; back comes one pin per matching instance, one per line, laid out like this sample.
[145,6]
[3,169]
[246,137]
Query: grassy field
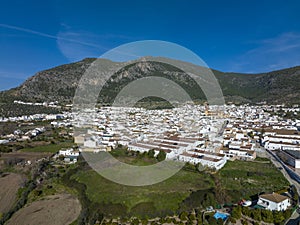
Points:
[165,195]
[52,148]
[246,178]
[186,189]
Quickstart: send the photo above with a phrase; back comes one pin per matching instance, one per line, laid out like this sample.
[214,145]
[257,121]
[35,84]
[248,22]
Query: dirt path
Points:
[54,210]
[9,185]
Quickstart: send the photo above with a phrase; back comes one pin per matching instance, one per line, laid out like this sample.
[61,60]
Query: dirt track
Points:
[9,186]
[54,210]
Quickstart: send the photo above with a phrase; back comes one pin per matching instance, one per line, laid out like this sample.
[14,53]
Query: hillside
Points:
[59,83]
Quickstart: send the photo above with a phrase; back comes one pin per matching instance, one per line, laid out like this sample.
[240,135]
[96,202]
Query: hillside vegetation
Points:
[60,83]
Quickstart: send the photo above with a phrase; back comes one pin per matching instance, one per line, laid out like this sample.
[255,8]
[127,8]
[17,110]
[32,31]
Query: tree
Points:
[199,218]
[294,194]
[278,217]
[232,220]
[135,221]
[151,153]
[161,156]
[256,214]
[183,216]
[220,221]
[287,213]
[212,221]
[244,222]
[236,212]
[192,217]
[267,216]
[246,211]
[144,221]
[169,220]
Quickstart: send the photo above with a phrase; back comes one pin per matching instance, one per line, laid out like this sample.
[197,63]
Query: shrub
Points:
[236,212]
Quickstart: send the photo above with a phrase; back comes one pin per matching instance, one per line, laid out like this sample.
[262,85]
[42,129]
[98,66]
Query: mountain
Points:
[60,83]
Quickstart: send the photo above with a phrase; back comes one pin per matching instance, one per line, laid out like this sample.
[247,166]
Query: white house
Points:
[68,152]
[274,201]
[272,145]
[70,155]
[206,159]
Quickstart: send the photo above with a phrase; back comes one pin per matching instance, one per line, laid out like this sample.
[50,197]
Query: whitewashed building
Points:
[274,201]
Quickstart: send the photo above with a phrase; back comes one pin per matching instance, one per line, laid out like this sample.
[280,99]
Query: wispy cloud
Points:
[274,53]
[76,44]
[75,51]
[48,35]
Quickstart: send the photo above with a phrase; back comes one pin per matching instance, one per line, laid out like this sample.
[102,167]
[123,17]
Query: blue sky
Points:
[239,36]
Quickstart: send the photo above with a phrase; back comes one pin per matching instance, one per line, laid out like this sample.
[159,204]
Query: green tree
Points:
[151,153]
[199,220]
[220,221]
[232,220]
[267,216]
[256,214]
[135,221]
[246,211]
[192,217]
[161,156]
[144,221]
[287,213]
[183,216]
[212,221]
[278,217]
[236,212]
[244,222]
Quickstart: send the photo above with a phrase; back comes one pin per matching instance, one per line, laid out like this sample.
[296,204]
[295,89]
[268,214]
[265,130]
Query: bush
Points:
[183,216]
[151,153]
[161,156]
[244,222]
[256,214]
[232,220]
[200,198]
[192,217]
[267,216]
[236,212]
[212,221]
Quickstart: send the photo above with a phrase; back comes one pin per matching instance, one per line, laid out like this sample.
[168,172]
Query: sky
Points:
[231,36]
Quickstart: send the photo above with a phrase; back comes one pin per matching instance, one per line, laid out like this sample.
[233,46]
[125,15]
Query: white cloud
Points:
[75,44]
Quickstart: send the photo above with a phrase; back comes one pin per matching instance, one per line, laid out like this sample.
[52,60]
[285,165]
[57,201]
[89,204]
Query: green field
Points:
[165,195]
[185,190]
[246,178]
[53,148]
